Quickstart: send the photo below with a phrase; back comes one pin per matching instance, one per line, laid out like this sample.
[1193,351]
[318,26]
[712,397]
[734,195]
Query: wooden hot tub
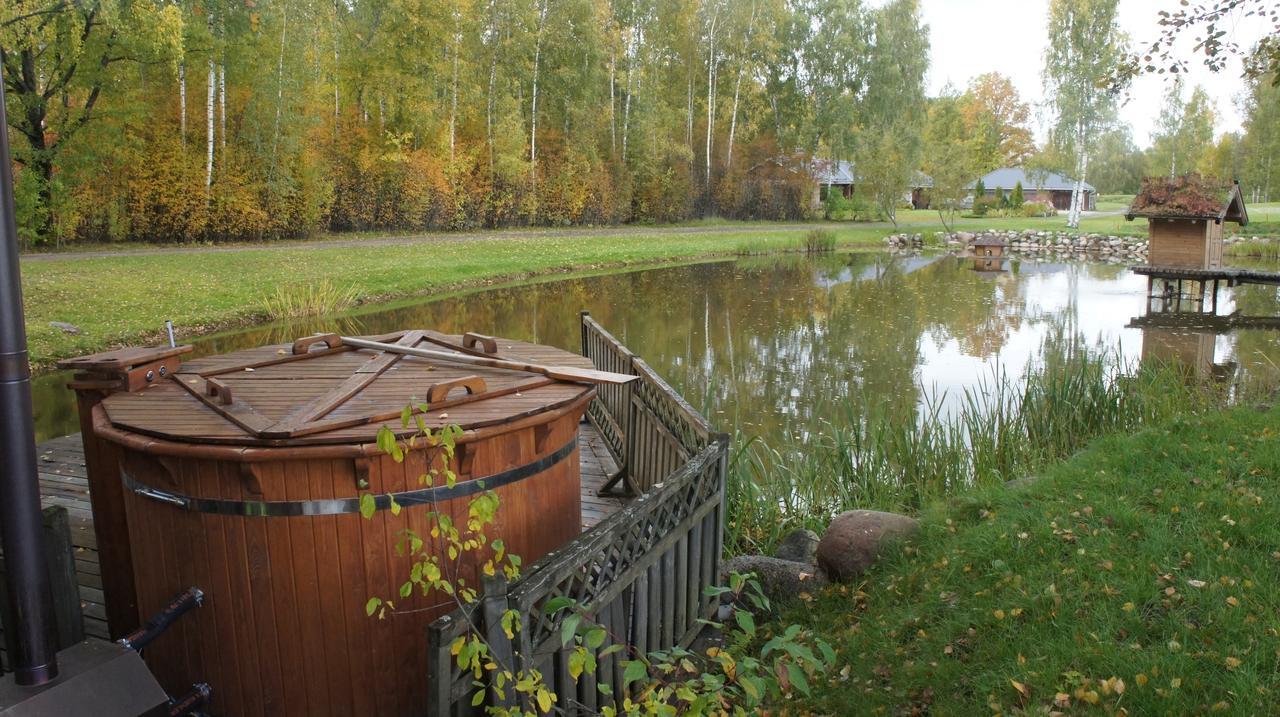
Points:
[241,475]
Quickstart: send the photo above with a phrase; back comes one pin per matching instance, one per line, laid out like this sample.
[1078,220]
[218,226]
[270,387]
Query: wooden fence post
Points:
[493,606]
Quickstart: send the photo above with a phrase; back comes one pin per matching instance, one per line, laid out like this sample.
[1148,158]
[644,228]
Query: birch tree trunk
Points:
[337,104]
[537,61]
[632,52]
[737,85]
[711,93]
[613,120]
[453,103]
[208,117]
[182,102]
[275,136]
[222,109]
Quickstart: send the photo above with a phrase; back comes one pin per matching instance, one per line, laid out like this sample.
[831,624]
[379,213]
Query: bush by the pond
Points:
[868,457]
[311,299]
[819,240]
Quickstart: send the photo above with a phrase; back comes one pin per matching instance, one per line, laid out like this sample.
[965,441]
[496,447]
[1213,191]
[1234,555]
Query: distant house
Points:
[1184,219]
[1037,186]
[834,175]
[839,175]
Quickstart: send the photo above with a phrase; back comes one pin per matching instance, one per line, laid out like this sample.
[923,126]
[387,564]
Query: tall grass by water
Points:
[1255,248]
[1006,428]
[319,298]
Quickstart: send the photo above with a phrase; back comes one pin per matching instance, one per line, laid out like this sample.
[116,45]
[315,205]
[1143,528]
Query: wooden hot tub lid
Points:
[270,396]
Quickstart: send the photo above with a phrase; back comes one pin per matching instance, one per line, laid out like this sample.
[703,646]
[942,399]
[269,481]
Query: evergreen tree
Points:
[1016,199]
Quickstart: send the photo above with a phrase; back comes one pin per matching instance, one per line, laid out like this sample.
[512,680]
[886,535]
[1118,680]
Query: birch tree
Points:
[1085,48]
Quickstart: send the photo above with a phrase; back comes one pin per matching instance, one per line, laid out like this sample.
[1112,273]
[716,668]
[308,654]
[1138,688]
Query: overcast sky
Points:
[970,37]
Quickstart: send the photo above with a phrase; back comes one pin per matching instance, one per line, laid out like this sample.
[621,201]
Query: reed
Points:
[1257,248]
[1005,428]
[818,241]
[318,298]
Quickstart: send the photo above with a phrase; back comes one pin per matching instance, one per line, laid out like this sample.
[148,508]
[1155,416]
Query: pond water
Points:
[774,343]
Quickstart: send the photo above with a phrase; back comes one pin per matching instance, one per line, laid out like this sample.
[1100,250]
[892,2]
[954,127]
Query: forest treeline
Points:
[154,120]
[210,120]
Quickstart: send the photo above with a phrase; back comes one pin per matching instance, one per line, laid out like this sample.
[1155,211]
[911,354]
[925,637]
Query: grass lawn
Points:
[1141,577]
[125,299]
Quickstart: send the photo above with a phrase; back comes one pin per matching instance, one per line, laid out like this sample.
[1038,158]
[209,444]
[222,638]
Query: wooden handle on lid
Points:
[488,344]
[440,391]
[302,346]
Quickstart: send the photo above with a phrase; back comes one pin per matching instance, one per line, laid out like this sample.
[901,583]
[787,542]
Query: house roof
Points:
[828,171]
[1189,197]
[988,241]
[1032,179]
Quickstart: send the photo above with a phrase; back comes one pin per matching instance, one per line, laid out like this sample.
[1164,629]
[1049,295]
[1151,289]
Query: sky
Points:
[970,37]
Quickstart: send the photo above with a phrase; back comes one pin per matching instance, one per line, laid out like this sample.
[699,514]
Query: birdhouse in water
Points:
[1184,219]
[986,246]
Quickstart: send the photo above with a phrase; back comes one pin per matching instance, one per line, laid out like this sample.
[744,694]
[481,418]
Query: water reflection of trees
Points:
[760,343]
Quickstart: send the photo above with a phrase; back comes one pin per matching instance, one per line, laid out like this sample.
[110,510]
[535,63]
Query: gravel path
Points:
[410,239]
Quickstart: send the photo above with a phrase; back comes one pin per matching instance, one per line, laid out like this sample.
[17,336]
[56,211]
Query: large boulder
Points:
[799,546]
[779,579]
[854,540]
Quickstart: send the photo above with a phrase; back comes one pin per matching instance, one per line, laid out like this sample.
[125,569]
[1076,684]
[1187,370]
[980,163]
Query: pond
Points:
[770,344]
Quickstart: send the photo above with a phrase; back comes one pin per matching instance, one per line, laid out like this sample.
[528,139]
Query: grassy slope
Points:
[1149,558]
[126,298]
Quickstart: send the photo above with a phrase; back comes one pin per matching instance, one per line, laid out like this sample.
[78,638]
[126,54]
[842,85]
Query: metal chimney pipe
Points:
[26,576]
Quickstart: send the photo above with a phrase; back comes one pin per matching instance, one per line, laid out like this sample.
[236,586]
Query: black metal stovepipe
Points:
[21,535]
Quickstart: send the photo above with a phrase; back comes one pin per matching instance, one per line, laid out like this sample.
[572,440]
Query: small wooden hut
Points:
[988,246]
[1184,219]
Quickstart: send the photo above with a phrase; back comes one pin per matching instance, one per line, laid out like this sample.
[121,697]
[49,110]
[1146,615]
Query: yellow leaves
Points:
[1141,680]
[1233,601]
[1232,662]
[1113,685]
[1127,607]
[1024,693]
[999,614]
[1175,683]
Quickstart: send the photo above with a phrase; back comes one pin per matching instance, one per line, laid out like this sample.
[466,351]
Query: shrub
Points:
[1038,209]
[1016,200]
[819,240]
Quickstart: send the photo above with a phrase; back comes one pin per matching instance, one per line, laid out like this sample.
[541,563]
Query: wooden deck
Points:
[63,482]
[1231,277]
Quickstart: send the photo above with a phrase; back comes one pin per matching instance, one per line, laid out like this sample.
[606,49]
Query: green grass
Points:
[1149,558]
[1261,249]
[864,456]
[125,299]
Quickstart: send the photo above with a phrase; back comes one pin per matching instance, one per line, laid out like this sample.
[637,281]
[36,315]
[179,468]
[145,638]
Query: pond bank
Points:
[1139,575]
[107,300]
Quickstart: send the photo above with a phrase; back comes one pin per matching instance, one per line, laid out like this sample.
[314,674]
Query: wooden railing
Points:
[641,573]
[650,430]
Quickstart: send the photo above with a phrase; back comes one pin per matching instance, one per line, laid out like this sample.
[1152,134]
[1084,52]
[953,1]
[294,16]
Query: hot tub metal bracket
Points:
[340,506]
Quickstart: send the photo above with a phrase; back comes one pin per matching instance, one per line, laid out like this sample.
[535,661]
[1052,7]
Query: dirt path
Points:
[427,238]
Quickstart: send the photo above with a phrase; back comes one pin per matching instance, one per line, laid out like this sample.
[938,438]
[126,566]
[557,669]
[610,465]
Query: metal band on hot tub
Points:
[338,506]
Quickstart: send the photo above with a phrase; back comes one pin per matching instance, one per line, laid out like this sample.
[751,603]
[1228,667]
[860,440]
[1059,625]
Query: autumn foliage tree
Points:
[211,120]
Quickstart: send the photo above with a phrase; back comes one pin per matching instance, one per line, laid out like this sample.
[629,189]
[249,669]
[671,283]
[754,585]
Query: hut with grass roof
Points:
[1184,219]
